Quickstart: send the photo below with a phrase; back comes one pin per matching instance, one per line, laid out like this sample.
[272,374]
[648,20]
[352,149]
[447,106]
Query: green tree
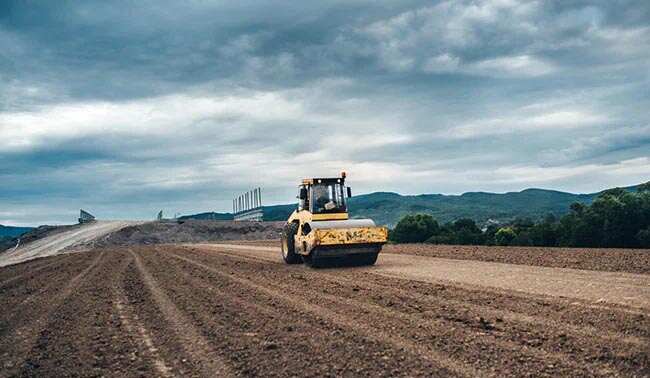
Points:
[414,229]
[616,218]
[544,234]
[466,232]
[614,192]
[488,235]
[578,208]
[504,236]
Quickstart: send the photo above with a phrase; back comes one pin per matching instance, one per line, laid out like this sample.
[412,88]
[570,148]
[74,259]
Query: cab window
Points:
[328,198]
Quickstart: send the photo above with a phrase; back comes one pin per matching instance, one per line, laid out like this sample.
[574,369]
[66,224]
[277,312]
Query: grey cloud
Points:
[358,85]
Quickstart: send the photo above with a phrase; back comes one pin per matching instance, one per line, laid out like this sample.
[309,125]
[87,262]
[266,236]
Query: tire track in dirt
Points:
[628,289]
[194,343]
[17,269]
[21,306]
[626,351]
[583,308]
[324,346]
[18,310]
[265,337]
[368,331]
[137,331]
[21,339]
[349,277]
[30,273]
[33,272]
[392,319]
[264,318]
[29,286]
[396,317]
[135,328]
[84,336]
[504,315]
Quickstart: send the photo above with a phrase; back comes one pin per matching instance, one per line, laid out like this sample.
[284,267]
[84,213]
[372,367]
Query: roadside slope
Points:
[56,243]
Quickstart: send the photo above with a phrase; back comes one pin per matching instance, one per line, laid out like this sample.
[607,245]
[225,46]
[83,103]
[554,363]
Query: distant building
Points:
[248,206]
[490,222]
[85,217]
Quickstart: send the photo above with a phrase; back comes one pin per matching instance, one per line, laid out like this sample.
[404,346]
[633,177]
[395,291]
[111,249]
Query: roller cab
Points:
[319,232]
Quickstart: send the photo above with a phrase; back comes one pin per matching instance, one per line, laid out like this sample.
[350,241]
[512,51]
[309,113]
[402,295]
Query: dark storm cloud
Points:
[130,106]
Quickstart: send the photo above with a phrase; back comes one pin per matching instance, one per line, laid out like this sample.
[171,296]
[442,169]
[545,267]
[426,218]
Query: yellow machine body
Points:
[340,231]
[319,229]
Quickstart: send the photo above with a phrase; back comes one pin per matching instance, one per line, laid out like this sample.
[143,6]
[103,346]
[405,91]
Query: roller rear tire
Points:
[289,254]
[312,260]
[315,260]
[363,259]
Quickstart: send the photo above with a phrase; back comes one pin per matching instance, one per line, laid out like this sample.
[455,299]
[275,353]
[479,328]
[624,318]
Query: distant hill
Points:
[388,208]
[12,231]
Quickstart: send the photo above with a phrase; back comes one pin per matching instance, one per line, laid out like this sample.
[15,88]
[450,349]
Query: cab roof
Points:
[311,181]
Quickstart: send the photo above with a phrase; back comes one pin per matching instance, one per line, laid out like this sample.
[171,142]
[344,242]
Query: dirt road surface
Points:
[613,287]
[56,243]
[206,310]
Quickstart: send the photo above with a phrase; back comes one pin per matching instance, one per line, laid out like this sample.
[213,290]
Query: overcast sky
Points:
[126,108]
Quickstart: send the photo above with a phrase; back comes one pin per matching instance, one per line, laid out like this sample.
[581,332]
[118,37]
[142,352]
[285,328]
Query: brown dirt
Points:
[600,259]
[603,259]
[188,311]
[190,231]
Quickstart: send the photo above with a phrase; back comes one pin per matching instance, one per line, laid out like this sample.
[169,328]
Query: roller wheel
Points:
[312,260]
[364,259]
[289,254]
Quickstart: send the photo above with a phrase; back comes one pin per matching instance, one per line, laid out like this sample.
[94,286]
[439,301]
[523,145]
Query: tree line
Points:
[616,218]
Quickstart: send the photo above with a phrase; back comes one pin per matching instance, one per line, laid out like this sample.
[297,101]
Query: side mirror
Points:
[349,192]
[303,194]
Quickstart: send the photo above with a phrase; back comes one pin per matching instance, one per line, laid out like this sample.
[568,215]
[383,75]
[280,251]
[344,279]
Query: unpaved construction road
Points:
[57,242]
[233,310]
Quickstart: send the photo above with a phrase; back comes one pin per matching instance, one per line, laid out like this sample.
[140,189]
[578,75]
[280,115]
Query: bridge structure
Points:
[248,206]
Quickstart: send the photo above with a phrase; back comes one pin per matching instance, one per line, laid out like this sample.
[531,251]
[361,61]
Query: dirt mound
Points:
[191,231]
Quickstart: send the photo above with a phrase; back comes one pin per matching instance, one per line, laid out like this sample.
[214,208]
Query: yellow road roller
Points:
[320,233]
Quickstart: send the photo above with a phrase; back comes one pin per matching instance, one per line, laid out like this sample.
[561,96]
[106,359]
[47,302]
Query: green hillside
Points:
[388,208]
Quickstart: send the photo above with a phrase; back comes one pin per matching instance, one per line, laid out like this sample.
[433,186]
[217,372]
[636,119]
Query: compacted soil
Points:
[603,259]
[600,259]
[195,310]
